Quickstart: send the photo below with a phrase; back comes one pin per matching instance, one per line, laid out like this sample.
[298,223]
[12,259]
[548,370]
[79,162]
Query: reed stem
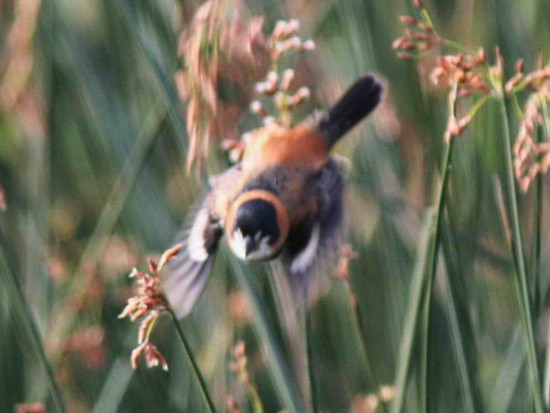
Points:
[521,281]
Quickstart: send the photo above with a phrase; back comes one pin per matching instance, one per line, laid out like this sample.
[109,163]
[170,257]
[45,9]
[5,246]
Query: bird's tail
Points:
[358,101]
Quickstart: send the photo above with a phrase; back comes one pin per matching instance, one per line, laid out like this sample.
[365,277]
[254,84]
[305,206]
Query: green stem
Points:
[310,365]
[451,273]
[478,105]
[282,376]
[521,281]
[357,321]
[424,274]
[458,46]
[291,317]
[440,205]
[433,268]
[426,16]
[424,346]
[255,397]
[517,107]
[417,291]
[194,365]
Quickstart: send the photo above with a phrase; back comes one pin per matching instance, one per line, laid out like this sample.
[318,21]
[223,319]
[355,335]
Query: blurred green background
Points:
[92,163]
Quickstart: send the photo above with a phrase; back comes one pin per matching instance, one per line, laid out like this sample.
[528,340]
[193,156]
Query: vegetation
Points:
[113,114]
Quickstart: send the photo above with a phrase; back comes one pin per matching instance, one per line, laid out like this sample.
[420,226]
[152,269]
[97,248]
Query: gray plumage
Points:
[187,277]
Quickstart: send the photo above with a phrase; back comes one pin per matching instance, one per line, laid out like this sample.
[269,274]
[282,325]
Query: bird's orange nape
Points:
[301,146]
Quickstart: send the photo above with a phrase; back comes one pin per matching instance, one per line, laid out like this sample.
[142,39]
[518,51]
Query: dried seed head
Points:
[30,408]
[397,43]
[285,29]
[148,302]
[168,255]
[269,121]
[152,265]
[519,66]
[272,77]
[408,45]
[136,354]
[280,28]
[387,393]
[288,77]
[260,87]
[154,357]
[232,405]
[239,365]
[530,156]
[236,154]
[301,95]
[371,403]
[308,45]
[239,350]
[513,82]
[257,108]
[409,20]
[481,56]
[294,25]
[342,270]
[498,69]
[416,35]
[146,326]
[269,86]
[239,306]
[405,56]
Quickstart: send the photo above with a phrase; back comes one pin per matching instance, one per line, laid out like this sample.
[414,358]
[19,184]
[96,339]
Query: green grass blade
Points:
[291,316]
[194,365]
[31,334]
[502,394]
[358,333]
[282,375]
[521,281]
[162,80]
[419,284]
[63,316]
[422,283]
[114,387]
[451,270]
[311,361]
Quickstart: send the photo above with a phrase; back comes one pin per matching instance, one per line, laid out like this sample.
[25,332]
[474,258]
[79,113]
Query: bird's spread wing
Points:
[310,265]
[189,271]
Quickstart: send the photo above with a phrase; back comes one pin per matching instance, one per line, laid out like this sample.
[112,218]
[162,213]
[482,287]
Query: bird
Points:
[283,201]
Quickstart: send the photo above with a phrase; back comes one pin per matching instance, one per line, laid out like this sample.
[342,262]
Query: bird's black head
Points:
[256,232]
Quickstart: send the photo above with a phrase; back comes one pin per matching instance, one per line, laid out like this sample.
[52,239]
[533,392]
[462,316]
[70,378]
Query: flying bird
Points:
[284,201]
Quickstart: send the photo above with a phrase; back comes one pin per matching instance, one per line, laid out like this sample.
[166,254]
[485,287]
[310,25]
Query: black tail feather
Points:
[358,101]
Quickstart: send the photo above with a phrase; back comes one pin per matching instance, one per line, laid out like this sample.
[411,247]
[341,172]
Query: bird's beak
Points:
[249,245]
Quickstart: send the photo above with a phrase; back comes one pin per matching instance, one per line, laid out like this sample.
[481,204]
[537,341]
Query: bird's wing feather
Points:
[310,267]
[189,271]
